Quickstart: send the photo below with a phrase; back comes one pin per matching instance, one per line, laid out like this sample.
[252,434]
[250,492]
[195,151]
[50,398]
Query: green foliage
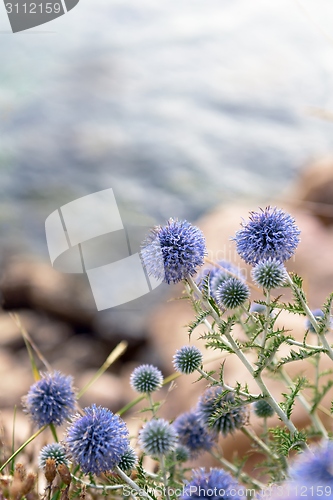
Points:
[201,316]
[289,402]
[284,441]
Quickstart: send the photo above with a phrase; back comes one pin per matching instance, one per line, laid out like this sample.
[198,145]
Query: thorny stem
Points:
[311,317]
[313,416]
[267,313]
[242,475]
[225,386]
[131,483]
[305,346]
[250,434]
[261,384]
[98,486]
[150,399]
[165,480]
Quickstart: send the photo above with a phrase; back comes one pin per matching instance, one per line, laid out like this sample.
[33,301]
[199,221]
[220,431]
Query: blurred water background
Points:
[178,105]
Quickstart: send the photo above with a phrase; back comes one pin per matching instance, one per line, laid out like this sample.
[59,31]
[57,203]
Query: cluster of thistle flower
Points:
[97,441]
[174,253]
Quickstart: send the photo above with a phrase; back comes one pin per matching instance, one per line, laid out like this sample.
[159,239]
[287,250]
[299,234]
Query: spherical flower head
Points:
[269,274]
[182,453]
[314,466]
[319,315]
[97,440]
[173,252]
[55,451]
[216,484]
[158,437]
[193,433]
[187,359]
[228,421]
[269,233]
[263,409]
[232,293]
[128,460]
[50,400]
[222,273]
[146,379]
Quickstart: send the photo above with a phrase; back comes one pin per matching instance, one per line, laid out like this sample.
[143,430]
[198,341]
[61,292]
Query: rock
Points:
[15,379]
[315,190]
[27,283]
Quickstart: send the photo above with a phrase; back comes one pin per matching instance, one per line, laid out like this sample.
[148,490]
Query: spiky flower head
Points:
[319,316]
[97,440]
[263,409]
[173,252]
[187,359]
[232,293]
[55,451]
[314,465]
[269,273]
[182,453]
[223,272]
[268,233]
[216,484]
[128,460]
[50,400]
[146,379]
[193,433]
[216,411]
[218,274]
[158,437]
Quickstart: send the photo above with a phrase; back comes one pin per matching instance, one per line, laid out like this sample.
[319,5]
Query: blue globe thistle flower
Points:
[232,293]
[187,359]
[146,379]
[228,421]
[128,460]
[269,274]
[173,252]
[223,273]
[218,275]
[97,440]
[269,233]
[319,315]
[182,453]
[263,409]
[314,466]
[50,400]
[193,433]
[158,437]
[55,451]
[216,484]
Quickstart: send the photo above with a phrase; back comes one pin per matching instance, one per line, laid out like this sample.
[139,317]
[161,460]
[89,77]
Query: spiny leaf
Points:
[198,320]
[288,404]
[284,442]
[296,356]
[320,395]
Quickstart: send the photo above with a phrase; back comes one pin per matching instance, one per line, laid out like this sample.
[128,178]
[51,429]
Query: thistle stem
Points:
[261,384]
[225,386]
[131,483]
[311,317]
[242,475]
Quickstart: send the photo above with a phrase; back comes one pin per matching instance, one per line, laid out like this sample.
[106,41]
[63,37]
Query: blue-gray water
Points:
[179,105]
